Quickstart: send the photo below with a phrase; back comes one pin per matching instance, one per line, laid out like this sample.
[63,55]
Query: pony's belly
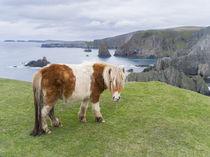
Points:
[76,98]
[71,101]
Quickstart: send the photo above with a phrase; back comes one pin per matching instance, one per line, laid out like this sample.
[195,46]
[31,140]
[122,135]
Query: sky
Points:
[95,19]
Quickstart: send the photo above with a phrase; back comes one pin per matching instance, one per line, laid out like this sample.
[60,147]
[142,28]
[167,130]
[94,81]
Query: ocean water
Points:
[13,56]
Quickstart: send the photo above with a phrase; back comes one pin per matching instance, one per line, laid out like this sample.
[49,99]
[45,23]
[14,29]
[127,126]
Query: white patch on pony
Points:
[83,73]
[96,107]
[44,112]
[96,110]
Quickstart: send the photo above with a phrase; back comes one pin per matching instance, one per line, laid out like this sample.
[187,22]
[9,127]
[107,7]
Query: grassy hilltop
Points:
[152,119]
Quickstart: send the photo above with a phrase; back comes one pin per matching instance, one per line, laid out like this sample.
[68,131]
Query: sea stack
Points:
[103,51]
[39,63]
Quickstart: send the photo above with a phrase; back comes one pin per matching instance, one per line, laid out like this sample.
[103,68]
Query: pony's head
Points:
[114,78]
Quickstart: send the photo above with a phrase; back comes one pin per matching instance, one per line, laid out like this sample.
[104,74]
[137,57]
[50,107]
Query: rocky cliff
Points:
[143,44]
[187,71]
[197,59]
[160,43]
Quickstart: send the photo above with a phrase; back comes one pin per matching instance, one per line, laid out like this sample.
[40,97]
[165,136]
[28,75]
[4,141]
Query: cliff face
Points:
[160,43]
[197,59]
[113,42]
[188,71]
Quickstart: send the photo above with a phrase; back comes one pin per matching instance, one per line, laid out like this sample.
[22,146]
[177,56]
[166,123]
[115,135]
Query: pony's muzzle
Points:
[116,98]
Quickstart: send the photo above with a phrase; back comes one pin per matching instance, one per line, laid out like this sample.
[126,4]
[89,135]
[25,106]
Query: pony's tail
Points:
[38,104]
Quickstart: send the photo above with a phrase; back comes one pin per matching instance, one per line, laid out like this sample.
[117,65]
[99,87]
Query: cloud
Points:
[91,19]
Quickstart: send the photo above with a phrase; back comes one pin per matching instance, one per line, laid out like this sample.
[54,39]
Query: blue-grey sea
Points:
[13,56]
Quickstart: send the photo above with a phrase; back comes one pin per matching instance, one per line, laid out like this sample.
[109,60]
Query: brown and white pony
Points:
[73,83]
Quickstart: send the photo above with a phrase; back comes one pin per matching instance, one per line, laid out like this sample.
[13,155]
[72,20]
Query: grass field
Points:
[152,119]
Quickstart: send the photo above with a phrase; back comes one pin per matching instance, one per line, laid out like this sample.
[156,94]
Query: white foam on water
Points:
[23,67]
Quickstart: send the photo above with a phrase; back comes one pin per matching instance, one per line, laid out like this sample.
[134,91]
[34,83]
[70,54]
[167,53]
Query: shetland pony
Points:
[73,83]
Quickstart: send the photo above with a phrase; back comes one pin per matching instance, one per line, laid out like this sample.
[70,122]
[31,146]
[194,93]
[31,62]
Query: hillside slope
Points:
[151,119]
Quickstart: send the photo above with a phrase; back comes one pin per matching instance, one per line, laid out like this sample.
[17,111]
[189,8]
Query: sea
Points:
[14,56]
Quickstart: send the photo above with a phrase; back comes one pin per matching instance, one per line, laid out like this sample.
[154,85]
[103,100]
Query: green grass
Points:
[152,119]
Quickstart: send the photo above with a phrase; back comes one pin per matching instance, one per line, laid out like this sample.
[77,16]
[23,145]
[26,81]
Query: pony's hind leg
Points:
[97,113]
[54,121]
[45,110]
[82,112]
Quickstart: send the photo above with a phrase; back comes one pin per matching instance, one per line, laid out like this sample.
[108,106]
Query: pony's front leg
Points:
[82,112]
[97,113]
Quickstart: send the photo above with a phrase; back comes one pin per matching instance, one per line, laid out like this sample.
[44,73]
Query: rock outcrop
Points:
[204,70]
[39,63]
[174,77]
[103,51]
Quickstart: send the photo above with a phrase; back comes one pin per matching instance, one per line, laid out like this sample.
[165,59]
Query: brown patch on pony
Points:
[97,82]
[57,81]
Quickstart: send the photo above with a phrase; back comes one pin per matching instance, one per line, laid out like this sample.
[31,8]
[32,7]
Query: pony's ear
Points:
[109,71]
[109,74]
[123,69]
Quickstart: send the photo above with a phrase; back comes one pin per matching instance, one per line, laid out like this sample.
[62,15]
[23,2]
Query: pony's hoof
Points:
[48,132]
[100,119]
[82,119]
[37,132]
[57,124]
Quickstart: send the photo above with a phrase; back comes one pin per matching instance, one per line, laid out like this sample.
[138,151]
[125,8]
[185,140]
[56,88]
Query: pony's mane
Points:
[117,73]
